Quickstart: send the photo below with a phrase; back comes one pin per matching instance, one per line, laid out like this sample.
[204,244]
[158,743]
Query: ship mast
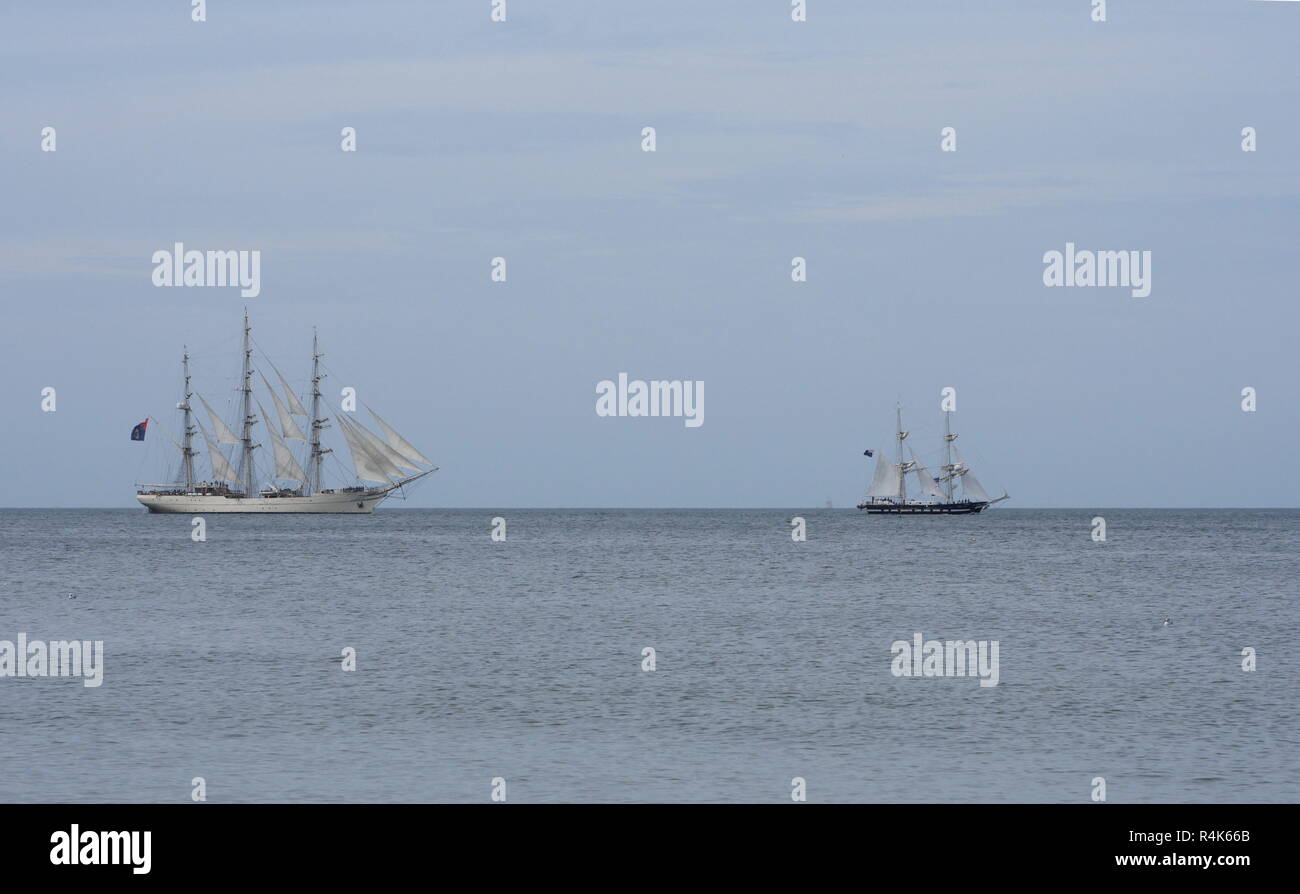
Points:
[247,435]
[187,453]
[317,455]
[948,438]
[902,474]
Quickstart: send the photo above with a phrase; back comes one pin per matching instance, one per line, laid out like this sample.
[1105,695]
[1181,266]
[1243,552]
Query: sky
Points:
[775,139]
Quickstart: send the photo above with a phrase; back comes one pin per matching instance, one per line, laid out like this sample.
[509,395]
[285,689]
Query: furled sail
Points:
[223,432]
[295,406]
[369,466]
[221,469]
[888,480]
[287,425]
[285,465]
[928,484]
[399,462]
[398,443]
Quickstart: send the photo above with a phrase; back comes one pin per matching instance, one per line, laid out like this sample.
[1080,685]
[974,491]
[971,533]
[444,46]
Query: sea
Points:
[654,656]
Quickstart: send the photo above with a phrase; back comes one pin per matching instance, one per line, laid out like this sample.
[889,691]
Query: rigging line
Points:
[326,368]
[328,371]
[266,356]
[347,476]
[139,470]
[222,348]
[166,431]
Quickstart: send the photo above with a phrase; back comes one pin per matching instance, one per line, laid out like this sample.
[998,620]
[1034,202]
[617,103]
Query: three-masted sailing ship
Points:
[887,494]
[382,464]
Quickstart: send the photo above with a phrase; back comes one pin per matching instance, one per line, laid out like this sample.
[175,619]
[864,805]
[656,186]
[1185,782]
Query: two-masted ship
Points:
[237,484]
[887,494]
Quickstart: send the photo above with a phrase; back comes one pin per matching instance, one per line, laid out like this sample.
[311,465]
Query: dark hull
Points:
[962,508]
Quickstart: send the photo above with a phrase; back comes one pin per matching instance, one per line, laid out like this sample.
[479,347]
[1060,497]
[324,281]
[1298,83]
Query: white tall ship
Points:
[936,494]
[382,465]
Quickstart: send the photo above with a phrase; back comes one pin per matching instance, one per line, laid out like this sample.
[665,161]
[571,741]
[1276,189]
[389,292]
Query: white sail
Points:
[927,482]
[399,443]
[383,461]
[295,406]
[399,462]
[223,432]
[285,465]
[888,480]
[369,467]
[221,469]
[287,425]
[971,486]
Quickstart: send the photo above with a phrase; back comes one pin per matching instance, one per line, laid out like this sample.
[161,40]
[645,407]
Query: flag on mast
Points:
[137,433]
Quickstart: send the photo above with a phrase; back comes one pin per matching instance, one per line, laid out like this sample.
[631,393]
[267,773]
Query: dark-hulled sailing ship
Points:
[887,494]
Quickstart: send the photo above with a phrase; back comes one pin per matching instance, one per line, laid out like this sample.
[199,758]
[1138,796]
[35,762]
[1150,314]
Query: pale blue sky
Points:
[775,139]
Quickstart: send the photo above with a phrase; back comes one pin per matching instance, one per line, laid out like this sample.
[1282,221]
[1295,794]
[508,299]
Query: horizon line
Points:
[653,508]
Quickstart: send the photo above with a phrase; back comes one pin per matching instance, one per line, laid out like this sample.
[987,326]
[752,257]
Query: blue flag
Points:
[137,433]
[868,453]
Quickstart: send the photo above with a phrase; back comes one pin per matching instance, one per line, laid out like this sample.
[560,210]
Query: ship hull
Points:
[356,503]
[962,508]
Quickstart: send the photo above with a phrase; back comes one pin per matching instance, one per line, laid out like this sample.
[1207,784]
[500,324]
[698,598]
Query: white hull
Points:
[203,504]
[375,459]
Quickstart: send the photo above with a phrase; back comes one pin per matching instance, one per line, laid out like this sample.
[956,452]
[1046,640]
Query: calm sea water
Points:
[522,659]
